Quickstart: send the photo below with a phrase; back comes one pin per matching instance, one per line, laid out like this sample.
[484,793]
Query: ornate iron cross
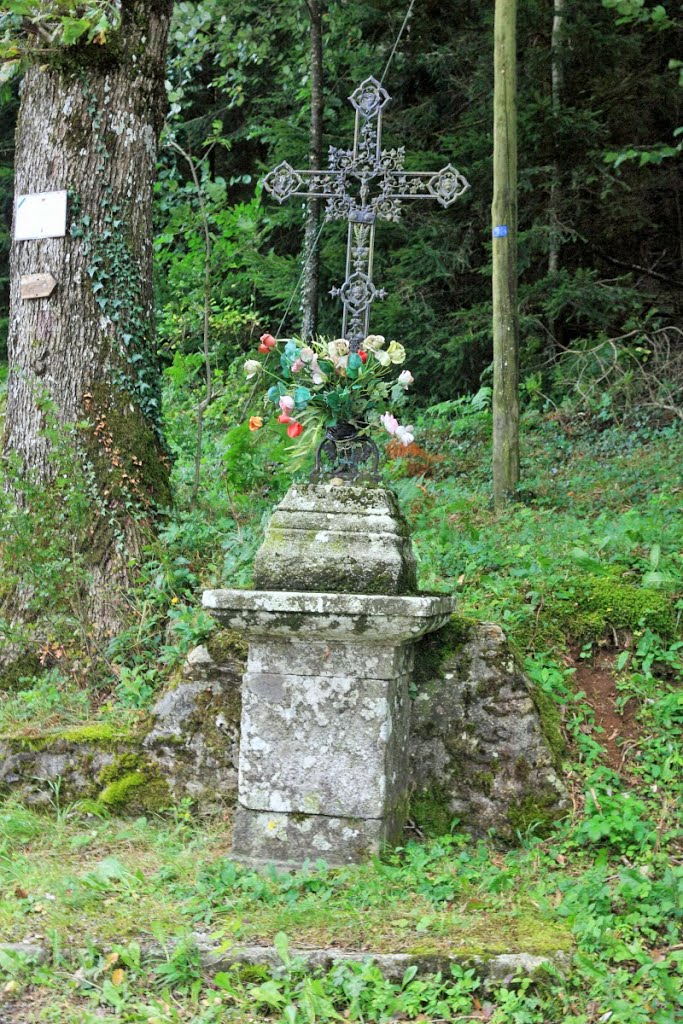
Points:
[363,185]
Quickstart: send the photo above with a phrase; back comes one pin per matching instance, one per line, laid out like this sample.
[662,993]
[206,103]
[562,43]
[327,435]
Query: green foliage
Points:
[50,27]
[434,264]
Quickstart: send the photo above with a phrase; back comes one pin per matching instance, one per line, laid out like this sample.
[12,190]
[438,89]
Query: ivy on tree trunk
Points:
[89,122]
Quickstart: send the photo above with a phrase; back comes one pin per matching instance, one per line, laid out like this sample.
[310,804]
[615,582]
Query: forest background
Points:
[601,224]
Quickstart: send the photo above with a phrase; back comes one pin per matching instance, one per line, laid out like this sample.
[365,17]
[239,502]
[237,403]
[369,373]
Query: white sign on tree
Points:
[40,215]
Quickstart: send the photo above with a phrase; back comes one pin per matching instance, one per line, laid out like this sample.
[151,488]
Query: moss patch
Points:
[102,735]
[227,644]
[431,651]
[537,811]
[430,810]
[604,603]
[551,724]
[477,931]
[25,666]
[132,785]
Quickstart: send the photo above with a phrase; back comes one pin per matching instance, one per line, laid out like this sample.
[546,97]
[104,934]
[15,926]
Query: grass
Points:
[588,564]
[95,879]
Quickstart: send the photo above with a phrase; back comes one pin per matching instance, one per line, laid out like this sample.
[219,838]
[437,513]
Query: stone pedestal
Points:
[323,765]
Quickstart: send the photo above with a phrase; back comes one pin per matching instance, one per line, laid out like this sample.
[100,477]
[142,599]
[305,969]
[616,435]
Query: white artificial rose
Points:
[396,352]
[252,367]
[339,347]
[372,343]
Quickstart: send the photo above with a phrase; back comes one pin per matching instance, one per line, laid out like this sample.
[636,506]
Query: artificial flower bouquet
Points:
[322,385]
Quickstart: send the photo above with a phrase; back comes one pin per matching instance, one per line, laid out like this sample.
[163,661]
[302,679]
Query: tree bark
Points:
[311,256]
[504,220]
[89,122]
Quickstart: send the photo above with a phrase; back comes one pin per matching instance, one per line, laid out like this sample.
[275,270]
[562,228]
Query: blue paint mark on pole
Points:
[500,231]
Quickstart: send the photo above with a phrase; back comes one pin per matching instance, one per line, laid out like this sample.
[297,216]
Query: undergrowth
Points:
[588,563]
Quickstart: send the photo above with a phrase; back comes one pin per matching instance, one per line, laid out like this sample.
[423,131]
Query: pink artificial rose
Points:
[389,422]
[316,373]
[297,365]
[286,404]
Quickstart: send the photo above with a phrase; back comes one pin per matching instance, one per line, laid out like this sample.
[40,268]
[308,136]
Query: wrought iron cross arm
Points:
[284,181]
[445,185]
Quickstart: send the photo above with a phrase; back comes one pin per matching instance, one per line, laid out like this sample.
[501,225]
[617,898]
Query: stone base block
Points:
[324,745]
[261,838]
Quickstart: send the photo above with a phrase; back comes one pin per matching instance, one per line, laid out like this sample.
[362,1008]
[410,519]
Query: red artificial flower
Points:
[284,418]
[268,340]
[263,348]
[363,356]
[294,429]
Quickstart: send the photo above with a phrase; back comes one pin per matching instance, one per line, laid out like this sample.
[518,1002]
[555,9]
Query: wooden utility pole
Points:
[504,224]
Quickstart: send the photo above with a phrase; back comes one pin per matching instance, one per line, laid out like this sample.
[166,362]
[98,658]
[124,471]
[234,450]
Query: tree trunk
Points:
[557,85]
[89,123]
[311,284]
[504,220]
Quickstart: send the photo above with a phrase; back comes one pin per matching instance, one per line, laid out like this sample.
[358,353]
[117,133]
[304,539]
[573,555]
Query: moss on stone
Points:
[483,782]
[227,644]
[210,707]
[432,650]
[132,785]
[430,810]
[551,724]
[121,766]
[493,934]
[117,793]
[535,810]
[102,735]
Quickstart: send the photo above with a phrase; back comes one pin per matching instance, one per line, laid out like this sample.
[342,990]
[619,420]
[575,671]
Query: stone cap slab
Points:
[371,618]
[340,500]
